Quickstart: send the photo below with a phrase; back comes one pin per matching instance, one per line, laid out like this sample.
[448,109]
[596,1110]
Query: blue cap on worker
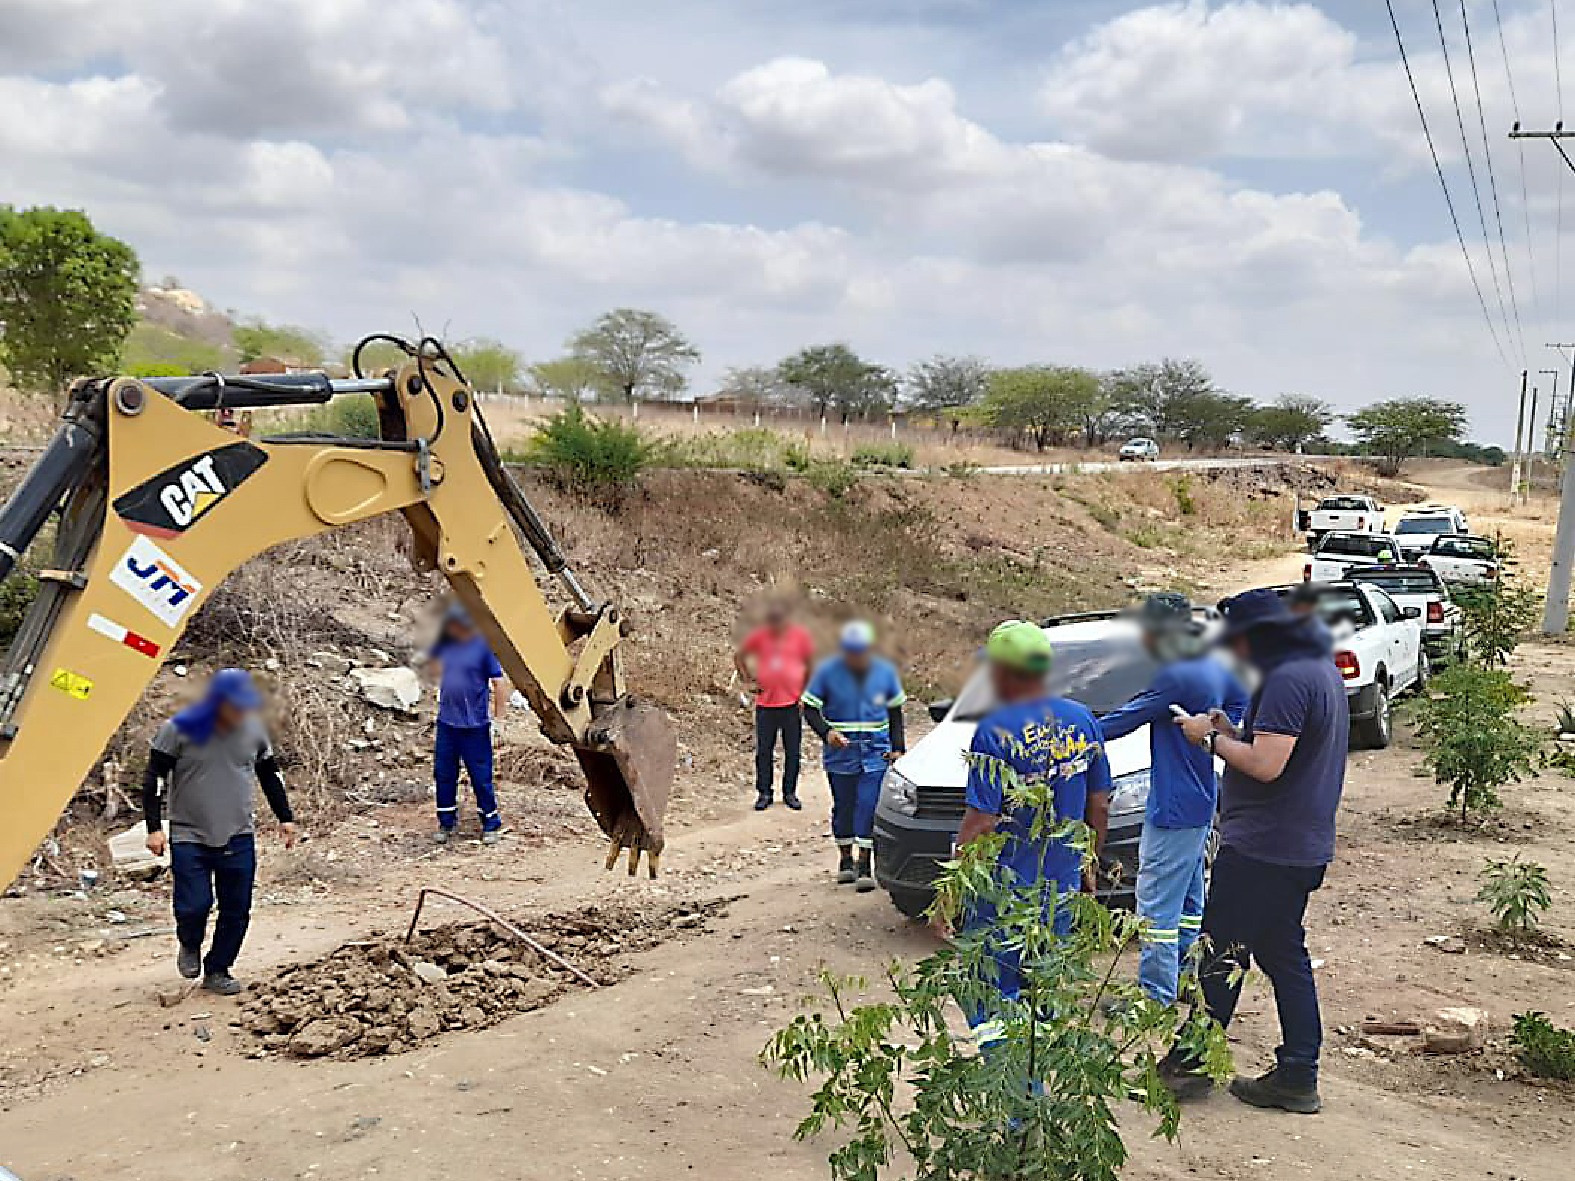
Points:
[857,636]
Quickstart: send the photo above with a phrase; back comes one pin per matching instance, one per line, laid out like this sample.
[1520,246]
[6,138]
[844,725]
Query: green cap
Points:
[1020,645]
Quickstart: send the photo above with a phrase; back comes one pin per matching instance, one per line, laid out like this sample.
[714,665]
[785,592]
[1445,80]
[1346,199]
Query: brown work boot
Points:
[845,874]
[1278,1089]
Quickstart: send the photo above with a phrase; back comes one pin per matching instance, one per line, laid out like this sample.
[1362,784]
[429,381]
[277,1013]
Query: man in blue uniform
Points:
[854,703]
[1182,790]
[472,693]
[1032,740]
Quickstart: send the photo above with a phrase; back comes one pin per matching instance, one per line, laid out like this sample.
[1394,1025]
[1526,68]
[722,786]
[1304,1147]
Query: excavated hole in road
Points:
[385,996]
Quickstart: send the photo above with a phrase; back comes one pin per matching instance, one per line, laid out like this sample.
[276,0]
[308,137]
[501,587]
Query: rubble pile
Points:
[384,996]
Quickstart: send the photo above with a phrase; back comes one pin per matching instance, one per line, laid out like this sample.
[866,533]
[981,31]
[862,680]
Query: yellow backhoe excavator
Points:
[157,506]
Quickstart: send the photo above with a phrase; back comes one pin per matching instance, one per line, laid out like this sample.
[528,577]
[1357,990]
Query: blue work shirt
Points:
[856,706]
[464,695]
[1051,740]
[1183,789]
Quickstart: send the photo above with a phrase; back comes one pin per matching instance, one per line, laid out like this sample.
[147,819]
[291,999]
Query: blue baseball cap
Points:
[857,636]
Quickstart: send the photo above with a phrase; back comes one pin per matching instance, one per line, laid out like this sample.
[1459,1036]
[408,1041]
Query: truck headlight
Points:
[900,792]
[1129,793]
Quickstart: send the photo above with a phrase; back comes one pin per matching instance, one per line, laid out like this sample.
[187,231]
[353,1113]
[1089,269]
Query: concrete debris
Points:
[1455,1031]
[129,854]
[329,662]
[1448,944]
[430,973]
[389,688]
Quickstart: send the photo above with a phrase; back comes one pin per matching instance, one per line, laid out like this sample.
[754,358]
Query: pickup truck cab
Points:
[1342,514]
[1338,552]
[1463,559]
[1377,648]
[1443,624]
[1416,530]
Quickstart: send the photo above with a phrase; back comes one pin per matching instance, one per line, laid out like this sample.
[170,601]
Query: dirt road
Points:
[655,1076]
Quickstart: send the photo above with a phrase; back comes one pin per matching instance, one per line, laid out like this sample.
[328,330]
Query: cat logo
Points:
[172,501]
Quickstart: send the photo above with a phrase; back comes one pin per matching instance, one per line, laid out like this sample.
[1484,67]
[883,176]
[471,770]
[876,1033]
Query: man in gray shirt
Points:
[206,758]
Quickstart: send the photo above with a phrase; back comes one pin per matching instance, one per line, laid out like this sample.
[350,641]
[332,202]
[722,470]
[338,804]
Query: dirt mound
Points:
[385,996]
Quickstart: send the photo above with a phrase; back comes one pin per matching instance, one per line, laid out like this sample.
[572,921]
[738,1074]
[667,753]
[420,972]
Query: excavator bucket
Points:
[629,760]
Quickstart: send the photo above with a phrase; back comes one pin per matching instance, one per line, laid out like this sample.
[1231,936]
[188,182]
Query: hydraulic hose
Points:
[65,463]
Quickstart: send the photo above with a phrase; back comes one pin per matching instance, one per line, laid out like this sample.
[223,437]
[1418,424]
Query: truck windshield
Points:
[1102,674]
[1399,582]
[1424,525]
[1365,546]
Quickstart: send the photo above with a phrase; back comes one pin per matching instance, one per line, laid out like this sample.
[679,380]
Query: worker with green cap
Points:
[1030,742]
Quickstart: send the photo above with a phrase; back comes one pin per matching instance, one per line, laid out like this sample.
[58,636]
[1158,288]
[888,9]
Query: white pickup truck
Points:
[1342,514]
[1377,648]
[1338,552]
[1443,623]
[1463,559]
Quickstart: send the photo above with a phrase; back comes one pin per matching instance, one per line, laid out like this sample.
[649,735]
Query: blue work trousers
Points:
[471,745]
[1170,902]
[201,872]
[853,799]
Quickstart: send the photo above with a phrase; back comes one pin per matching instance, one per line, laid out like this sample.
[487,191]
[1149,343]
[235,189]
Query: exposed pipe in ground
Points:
[494,916]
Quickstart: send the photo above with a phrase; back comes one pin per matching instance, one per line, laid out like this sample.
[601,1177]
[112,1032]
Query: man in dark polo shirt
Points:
[1284,773]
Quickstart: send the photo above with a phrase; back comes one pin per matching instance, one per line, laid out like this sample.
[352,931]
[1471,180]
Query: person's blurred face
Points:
[1013,685]
[1241,649]
[857,661]
[777,615]
[458,631]
[230,716]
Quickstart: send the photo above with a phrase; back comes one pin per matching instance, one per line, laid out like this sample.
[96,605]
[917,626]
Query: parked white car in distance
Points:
[1138,449]
[1338,552]
[1377,648]
[1417,529]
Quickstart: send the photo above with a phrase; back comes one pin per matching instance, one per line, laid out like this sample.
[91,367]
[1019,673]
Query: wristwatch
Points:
[1209,740]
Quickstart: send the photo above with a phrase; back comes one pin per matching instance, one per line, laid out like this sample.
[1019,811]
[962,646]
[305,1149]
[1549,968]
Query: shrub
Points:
[1516,892]
[1474,742]
[1185,501]
[601,458]
[898,455]
[353,416]
[16,595]
[1498,614]
[1079,1042]
[752,449]
[1543,1048]
[834,477]
[158,369]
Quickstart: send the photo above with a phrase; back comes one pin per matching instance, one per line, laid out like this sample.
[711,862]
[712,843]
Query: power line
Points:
[1520,149]
[1471,171]
[1449,201]
[1487,155]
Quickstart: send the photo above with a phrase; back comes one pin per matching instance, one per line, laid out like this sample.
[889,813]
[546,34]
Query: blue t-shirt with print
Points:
[855,704]
[464,695]
[1051,740]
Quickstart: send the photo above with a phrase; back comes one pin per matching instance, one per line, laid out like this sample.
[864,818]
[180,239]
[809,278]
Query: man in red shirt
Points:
[782,654]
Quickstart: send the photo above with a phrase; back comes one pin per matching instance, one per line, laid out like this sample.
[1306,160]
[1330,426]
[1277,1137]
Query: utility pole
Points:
[1520,433]
[1556,609]
[1531,432]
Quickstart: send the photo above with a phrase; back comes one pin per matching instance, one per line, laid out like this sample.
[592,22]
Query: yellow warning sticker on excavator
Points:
[73,683]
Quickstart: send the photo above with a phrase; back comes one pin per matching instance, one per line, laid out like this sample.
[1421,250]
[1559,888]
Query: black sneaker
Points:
[845,874]
[762,803]
[1274,1090]
[189,962]
[222,983]
[865,882]
[793,802]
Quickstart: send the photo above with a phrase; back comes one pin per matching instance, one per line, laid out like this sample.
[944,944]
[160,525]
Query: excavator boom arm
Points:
[159,506]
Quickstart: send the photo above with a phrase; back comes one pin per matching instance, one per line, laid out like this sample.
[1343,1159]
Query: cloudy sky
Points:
[1071,181]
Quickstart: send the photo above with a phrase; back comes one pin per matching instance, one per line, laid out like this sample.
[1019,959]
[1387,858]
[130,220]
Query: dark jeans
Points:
[1254,912]
[770,721]
[202,871]
[471,745]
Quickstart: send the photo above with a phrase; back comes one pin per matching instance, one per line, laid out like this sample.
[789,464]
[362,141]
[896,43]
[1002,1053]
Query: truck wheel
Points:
[912,903]
[1424,673]
[1374,733]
